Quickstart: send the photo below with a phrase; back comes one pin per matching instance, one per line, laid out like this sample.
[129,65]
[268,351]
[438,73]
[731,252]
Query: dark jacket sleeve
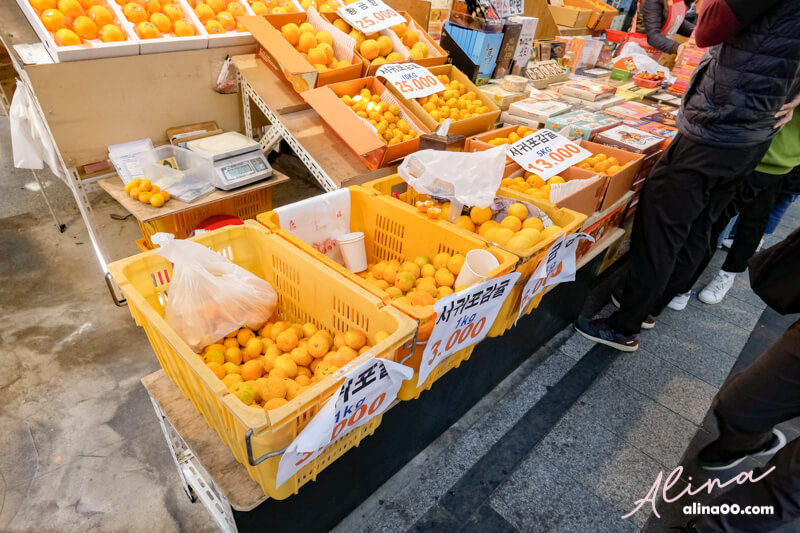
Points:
[686,28]
[653,16]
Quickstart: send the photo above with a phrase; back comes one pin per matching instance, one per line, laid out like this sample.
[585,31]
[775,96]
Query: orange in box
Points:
[585,200]
[467,126]
[357,133]
[622,181]
[282,57]
[479,143]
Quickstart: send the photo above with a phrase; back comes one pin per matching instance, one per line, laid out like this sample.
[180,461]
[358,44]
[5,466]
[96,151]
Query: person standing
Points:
[656,23]
[739,95]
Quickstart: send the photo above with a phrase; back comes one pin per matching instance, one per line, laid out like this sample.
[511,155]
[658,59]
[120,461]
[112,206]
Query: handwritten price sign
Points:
[412,80]
[546,153]
[367,392]
[464,319]
[369,16]
[559,265]
[508,8]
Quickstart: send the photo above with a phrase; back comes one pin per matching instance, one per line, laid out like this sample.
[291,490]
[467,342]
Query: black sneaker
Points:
[707,462]
[649,322]
[598,331]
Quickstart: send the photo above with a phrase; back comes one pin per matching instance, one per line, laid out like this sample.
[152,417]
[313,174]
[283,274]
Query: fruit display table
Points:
[211,475]
[320,149]
[92,104]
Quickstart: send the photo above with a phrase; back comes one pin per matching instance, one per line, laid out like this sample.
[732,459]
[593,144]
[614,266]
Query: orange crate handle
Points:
[249,445]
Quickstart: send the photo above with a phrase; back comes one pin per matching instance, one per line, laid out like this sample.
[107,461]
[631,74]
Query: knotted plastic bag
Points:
[210,296]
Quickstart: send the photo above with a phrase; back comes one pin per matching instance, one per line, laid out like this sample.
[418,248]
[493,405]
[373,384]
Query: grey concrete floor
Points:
[80,446]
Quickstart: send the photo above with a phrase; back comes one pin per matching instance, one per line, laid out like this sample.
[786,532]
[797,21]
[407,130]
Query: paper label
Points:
[546,153]
[369,16]
[559,265]
[367,391]
[463,319]
[508,8]
[412,80]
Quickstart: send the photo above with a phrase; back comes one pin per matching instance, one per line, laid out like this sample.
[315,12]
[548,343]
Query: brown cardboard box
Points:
[469,126]
[359,135]
[572,18]
[602,222]
[280,56]
[621,182]
[585,200]
[601,16]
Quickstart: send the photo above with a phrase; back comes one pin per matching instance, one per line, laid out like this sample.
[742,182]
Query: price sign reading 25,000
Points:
[411,79]
[546,153]
[370,16]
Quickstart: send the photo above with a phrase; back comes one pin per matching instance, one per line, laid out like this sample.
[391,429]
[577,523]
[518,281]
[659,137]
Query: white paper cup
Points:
[353,250]
[477,265]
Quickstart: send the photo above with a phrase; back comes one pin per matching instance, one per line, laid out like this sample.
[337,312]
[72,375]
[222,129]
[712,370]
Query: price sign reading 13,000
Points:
[546,153]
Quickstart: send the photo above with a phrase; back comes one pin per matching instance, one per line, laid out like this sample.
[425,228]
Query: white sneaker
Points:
[680,302]
[718,288]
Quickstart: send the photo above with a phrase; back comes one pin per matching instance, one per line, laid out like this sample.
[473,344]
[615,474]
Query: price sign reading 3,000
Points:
[369,16]
[546,153]
[412,80]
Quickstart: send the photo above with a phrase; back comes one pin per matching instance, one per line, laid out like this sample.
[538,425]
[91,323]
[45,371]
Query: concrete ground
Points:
[83,451]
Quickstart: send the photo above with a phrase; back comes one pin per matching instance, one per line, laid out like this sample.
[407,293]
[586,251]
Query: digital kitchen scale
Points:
[237,159]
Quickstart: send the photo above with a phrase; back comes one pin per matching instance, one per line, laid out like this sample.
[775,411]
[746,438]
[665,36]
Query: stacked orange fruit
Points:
[532,185]
[455,102]
[269,367]
[153,19]
[272,7]
[146,192]
[219,16]
[602,164]
[420,282]
[76,21]
[315,46]
[391,127]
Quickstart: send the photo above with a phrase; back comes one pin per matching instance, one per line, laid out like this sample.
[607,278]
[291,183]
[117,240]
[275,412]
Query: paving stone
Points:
[665,383]
[706,329]
[738,312]
[539,496]
[638,420]
[702,361]
[576,345]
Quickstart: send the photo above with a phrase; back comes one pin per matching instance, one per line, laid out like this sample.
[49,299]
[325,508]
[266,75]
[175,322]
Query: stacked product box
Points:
[581,124]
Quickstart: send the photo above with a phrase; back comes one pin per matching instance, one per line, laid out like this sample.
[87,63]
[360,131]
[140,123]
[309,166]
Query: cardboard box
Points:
[662,130]
[631,139]
[508,120]
[602,13]
[480,142]
[633,110]
[584,200]
[282,58]
[171,43]
[501,97]
[570,17]
[597,105]
[358,134]
[469,126]
[219,40]
[587,90]
[621,182]
[632,92]
[586,130]
[602,222]
[94,50]
[559,122]
[540,111]
[505,57]
[522,54]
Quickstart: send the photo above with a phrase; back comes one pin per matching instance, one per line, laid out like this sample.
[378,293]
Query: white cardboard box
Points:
[538,111]
[167,44]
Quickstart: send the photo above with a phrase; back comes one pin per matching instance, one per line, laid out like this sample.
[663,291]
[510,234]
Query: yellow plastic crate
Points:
[307,292]
[395,187]
[245,206]
[393,230]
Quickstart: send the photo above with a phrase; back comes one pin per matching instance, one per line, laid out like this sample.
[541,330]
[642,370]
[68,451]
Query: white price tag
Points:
[369,16]
[412,80]
[559,265]
[508,8]
[546,153]
[367,391]
[463,319]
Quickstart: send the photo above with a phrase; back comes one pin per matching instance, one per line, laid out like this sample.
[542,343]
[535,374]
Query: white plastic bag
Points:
[210,296]
[31,144]
[319,220]
[468,178]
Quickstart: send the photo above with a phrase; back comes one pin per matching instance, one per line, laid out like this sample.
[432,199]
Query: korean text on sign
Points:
[369,16]
[412,80]
[508,8]
[367,392]
[546,153]
[463,319]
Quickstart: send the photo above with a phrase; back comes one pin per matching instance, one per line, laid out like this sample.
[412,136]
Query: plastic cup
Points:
[353,250]
[477,265]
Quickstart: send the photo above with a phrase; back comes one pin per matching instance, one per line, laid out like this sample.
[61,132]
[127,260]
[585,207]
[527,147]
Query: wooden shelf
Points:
[147,213]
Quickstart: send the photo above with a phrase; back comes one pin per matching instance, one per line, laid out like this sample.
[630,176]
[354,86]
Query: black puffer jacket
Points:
[741,83]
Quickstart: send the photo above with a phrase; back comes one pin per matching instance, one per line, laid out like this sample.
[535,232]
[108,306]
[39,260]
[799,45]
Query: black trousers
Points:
[753,198]
[747,407]
[684,195]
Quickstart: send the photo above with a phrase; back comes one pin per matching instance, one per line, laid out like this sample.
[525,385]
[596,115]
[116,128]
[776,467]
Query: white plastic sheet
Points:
[31,143]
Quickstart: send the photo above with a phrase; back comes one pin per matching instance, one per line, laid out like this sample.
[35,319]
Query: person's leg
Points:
[779,207]
[753,221]
[751,403]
